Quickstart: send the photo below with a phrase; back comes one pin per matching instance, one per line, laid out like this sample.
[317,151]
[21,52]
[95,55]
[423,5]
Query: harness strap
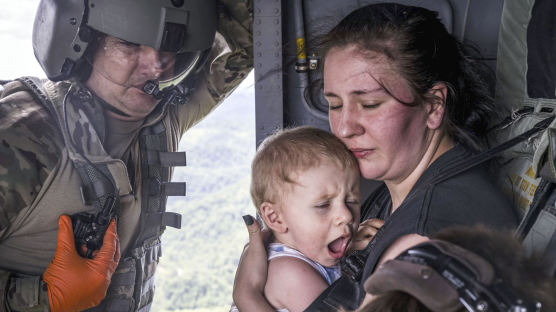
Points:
[468,163]
[540,199]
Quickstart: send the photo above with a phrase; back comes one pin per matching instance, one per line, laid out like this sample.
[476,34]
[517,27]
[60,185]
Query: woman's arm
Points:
[251,272]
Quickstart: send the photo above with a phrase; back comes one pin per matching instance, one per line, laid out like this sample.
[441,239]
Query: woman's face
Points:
[387,137]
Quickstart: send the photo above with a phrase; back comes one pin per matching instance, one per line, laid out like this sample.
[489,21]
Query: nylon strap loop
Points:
[172,159]
[165,159]
[173,188]
[165,218]
[157,188]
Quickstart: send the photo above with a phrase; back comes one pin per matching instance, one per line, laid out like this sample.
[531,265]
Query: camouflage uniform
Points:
[38,181]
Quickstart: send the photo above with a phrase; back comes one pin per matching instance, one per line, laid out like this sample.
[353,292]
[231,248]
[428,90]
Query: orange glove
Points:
[76,283]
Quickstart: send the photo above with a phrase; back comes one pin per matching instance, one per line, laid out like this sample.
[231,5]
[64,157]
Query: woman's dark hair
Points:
[423,51]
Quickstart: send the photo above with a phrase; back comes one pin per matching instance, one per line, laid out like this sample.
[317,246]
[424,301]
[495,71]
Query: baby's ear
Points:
[272,217]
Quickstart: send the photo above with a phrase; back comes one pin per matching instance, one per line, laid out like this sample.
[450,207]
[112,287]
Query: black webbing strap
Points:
[542,193]
[468,163]
[158,188]
[165,218]
[166,159]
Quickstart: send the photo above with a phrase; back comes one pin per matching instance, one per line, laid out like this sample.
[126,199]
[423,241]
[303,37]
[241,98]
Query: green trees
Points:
[198,262]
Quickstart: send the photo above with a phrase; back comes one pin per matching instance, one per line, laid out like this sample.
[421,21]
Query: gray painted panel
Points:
[267,43]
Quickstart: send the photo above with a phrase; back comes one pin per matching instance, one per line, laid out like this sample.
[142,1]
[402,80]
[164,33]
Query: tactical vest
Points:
[132,285]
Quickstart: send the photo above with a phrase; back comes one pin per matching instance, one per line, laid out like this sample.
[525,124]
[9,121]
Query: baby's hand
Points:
[367,230]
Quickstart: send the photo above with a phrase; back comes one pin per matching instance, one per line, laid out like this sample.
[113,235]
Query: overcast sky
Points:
[16,25]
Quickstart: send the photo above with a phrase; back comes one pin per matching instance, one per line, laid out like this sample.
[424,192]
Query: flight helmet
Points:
[182,30]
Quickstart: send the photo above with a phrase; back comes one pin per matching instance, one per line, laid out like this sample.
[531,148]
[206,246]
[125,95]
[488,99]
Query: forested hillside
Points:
[198,262]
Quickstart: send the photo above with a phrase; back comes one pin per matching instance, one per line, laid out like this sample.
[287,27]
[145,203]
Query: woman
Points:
[408,102]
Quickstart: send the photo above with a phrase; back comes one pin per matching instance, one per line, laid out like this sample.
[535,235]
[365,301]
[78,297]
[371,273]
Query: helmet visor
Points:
[132,65]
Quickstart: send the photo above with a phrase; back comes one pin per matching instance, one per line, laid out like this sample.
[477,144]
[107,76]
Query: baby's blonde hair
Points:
[291,151]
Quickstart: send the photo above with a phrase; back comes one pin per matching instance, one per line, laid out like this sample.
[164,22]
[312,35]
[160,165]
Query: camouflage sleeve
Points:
[230,61]
[23,293]
[29,149]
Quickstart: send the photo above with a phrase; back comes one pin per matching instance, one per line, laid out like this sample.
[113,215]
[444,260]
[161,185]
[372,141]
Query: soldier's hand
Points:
[366,231]
[76,283]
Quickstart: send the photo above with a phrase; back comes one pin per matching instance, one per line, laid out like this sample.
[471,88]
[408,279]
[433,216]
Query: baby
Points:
[305,185]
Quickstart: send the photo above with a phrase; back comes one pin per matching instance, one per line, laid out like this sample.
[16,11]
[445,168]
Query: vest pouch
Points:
[146,259]
[120,294]
[132,285]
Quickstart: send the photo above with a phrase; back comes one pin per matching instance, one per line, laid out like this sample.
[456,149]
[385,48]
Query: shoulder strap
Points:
[468,163]
[34,84]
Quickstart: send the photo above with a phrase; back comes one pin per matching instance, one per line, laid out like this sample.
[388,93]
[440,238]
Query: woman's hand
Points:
[252,270]
[366,231]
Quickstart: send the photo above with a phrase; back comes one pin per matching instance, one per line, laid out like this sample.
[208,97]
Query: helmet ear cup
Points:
[56,41]
[83,66]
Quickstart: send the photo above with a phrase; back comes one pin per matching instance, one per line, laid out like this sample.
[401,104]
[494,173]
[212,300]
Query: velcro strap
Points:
[172,159]
[157,188]
[173,188]
[166,218]
[166,159]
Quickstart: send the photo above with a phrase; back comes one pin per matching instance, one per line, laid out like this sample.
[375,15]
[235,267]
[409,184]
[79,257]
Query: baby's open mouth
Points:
[337,247]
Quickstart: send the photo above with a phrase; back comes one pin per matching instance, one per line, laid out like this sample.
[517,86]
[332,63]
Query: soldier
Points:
[97,140]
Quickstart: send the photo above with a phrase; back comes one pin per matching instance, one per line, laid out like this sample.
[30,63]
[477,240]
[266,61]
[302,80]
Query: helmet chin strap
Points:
[172,95]
[171,92]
